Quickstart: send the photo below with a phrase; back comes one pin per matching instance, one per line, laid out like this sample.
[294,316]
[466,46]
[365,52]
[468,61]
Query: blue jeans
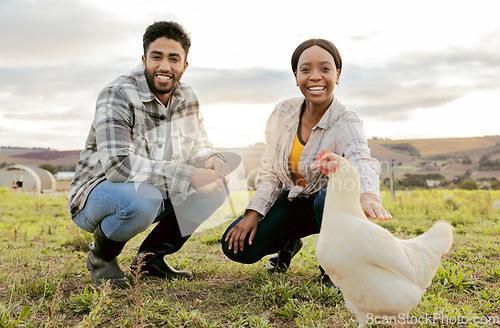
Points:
[285,221]
[126,209]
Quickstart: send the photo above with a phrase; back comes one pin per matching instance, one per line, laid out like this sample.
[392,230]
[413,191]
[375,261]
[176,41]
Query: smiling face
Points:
[317,75]
[164,64]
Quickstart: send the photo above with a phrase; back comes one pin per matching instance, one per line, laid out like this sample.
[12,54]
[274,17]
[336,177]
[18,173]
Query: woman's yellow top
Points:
[294,161]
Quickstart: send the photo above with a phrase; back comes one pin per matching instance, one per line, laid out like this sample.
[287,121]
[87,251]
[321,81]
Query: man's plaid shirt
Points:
[128,138]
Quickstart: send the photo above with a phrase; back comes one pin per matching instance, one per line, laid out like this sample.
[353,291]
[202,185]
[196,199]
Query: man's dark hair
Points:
[170,30]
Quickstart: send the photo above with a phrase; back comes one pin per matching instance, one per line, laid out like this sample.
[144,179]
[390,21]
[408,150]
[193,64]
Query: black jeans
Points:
[285,221]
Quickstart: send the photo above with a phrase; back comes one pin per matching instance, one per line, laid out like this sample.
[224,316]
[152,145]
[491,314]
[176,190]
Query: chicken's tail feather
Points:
[440,236]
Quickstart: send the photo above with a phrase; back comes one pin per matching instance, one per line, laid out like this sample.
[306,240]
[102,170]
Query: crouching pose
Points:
[147,159]
[289,200]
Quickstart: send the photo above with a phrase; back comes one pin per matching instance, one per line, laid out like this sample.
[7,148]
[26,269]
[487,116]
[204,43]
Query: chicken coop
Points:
[27,179]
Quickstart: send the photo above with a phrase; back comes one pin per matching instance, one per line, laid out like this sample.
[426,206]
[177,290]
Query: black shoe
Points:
[164,239]
[281,262]
[325,280]
[154,265]
[102,263]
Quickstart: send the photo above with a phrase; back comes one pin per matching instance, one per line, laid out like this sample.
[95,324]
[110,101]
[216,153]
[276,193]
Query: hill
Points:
[474,147]
[444,155]
[37,156]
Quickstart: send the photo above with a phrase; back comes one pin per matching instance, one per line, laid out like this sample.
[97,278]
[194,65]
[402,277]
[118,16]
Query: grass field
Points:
[44,283]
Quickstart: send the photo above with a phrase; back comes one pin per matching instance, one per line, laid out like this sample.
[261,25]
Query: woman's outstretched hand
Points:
[237,235]
[373,208]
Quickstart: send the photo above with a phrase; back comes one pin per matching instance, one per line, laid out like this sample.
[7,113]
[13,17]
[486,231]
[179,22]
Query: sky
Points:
[411,69]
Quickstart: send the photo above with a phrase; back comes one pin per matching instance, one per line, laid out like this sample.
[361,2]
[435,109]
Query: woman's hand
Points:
[373,208]
[239,232]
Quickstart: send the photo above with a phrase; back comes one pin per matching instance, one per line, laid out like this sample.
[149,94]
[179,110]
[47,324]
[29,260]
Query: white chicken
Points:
[378,274]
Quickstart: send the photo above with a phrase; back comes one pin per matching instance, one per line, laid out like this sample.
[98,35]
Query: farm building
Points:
[27,178]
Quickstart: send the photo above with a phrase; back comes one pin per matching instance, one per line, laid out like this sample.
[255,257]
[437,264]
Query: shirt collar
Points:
[331,115]
[291,120]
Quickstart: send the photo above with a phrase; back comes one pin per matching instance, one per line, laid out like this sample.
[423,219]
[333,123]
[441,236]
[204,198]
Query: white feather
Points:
[377,273]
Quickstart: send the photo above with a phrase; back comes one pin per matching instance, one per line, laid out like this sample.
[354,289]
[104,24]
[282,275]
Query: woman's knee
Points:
[245,256]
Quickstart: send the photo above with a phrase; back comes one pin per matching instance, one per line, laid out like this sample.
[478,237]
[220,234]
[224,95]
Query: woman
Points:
[288,203]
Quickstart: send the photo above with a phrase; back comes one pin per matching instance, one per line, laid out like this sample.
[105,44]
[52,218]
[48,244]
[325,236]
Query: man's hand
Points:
[208,181]
[239,232]
[218,165]
[372,207]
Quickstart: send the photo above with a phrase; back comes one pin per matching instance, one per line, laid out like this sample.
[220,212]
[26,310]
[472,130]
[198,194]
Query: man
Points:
[147,159]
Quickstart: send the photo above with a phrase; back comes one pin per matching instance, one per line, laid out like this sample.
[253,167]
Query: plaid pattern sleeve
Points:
[339,130]
[128,136]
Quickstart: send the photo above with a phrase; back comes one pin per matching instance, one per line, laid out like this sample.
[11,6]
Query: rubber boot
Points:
[281,262]
[164,239]
[102,263]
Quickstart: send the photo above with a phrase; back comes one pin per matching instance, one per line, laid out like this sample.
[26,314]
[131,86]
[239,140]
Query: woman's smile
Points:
[316,90]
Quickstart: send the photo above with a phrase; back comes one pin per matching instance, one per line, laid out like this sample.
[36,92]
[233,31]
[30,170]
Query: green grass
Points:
[44,283]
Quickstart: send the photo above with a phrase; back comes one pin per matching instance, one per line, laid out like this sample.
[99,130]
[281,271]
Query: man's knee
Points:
[140,211]
[140,206]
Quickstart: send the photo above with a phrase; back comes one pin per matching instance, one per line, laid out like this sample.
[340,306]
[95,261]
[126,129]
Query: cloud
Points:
[62,93]
[52,80]
[65,92]
[414,80]
[46,31]
[365,36]
[248,86]
[421,79]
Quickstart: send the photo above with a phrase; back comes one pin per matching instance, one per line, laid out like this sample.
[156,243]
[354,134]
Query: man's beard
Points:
[150,78]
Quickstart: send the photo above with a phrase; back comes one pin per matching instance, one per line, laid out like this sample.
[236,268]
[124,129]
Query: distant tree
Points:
[459,178]
[419,180]
[466,160]
[49,167]
[5,164]
[445,183]
[495,185]
[468,185]
[404,148]
[485,164]
[70,168]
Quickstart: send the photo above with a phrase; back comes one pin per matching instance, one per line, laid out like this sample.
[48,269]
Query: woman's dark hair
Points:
[325,44]
[170,30]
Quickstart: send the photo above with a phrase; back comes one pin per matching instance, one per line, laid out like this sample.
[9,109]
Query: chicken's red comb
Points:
[326,151]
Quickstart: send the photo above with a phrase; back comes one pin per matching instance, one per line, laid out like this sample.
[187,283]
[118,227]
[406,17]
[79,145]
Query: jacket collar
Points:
[331,115]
